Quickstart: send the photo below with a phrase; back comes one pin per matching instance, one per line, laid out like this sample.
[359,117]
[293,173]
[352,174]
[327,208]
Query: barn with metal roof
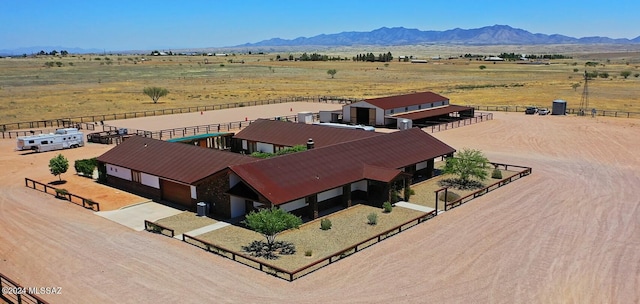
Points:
[375,111]
[417,107]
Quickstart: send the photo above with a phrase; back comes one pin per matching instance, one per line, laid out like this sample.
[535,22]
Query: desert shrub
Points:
[460,184]
[451,196]
[308,253]
[155,228]
[62,191]
[496,174]
[325,224]
[372,218]
[408,192]
[387,207]
[262,249]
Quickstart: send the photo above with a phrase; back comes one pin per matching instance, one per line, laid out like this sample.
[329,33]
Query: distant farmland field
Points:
[50,87]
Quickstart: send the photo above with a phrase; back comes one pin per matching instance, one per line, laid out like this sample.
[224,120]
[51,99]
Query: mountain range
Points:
[396,36]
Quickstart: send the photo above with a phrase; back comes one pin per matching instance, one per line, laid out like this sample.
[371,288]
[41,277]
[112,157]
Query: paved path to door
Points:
[417,207]
[134,216]
[203,230]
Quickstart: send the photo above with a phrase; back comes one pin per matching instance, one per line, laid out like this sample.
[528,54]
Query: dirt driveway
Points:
[567,233]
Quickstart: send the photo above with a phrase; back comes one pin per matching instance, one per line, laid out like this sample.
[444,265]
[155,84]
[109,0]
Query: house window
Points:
[135,176]
[406,109]
[391,111]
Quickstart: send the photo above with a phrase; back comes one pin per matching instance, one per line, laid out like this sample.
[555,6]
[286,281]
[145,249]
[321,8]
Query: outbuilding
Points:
[379,111]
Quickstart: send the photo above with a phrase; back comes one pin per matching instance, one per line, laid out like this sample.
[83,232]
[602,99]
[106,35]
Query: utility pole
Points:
[584,101]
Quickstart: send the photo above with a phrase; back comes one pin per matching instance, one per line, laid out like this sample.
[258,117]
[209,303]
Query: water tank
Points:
[559,107]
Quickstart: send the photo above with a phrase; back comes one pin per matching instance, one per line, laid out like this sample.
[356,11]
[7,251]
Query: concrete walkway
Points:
[134,216]
[417,207]
[203,230]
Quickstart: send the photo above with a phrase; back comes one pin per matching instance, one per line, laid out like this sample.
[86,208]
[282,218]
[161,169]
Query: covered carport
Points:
[437,115]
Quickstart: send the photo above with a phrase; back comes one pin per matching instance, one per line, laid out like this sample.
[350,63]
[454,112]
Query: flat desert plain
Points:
[568,233]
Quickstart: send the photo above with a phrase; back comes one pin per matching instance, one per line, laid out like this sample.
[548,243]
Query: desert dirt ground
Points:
[567,233]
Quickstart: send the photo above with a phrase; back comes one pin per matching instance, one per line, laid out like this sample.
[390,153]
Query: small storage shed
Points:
[559,107]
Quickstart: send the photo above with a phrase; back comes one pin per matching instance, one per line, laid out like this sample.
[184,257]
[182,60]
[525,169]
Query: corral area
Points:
[567,233]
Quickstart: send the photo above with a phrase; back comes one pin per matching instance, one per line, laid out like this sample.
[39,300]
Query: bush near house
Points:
[85,167]
[372,218]
[387,207]
[496,174]
[325,224]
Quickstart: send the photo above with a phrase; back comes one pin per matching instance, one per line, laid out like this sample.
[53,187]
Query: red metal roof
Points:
[400,101]
[380,174]
[433,112]
[290,133]
[286,178]
[175,161]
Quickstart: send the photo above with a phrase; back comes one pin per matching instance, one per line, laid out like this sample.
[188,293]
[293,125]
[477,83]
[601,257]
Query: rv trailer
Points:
[62,139]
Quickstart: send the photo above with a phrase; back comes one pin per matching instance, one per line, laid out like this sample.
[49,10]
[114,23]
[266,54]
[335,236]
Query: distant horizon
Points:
[147,25]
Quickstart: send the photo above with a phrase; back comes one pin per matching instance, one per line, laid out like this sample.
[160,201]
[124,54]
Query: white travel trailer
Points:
[62,139]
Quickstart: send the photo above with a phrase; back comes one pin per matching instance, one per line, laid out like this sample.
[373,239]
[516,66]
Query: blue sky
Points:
[164,24]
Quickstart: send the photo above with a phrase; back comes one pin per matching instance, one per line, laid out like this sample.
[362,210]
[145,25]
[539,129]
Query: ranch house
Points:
[308,182]
[271,136]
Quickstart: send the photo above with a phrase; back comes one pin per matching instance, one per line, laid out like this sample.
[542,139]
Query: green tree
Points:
[575,86]
[625,74]
[468,163]
[155,93]
[271,222]
[332,72]
[58,165]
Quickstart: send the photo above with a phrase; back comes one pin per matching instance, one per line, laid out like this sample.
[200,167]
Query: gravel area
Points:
[185,221]
[424,191]
[349,227]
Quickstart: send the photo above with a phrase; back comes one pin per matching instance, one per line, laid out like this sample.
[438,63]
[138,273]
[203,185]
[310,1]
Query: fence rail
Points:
[609,113]
[459,123]
[62,194]
[307,269]
[85,120]
[15,293]
[158,228]
[460,201]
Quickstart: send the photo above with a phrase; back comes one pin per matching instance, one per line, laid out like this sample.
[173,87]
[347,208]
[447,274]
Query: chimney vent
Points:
[310,144]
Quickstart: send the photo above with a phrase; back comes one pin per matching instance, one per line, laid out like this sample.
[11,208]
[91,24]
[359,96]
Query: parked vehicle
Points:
[62,139]
[531,110]
[544,111]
